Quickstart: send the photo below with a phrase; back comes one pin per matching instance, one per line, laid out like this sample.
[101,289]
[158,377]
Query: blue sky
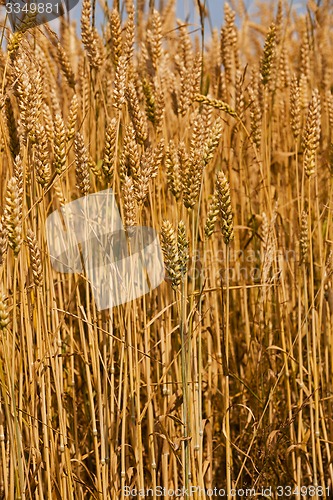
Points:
[186,10]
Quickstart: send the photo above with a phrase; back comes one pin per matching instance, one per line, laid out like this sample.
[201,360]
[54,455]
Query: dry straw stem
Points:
[268,248]
[183,248]
[160,109]
[330,159]
[224,200]
[329,105]
[329,264]
[19,176]
[304,238]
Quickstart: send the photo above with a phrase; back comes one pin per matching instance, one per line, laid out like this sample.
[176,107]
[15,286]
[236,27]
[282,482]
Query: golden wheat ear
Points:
[35,258]
[13,215]
[170,252]
[224,203]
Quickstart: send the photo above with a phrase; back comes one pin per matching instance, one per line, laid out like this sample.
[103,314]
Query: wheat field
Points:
[219,382]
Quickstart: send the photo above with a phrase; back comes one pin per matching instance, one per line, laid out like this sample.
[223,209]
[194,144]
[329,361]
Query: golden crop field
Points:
[218,383]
